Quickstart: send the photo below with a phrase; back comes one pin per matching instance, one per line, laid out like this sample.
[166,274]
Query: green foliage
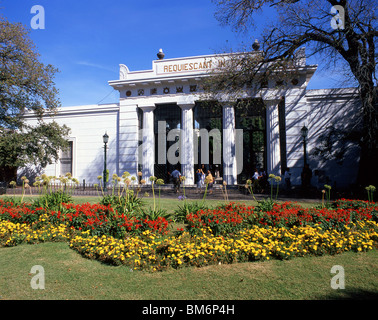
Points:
[129,205]
[265,205]
[53,200]
[154,214]
[26,85]
[370,191]
[274,179]
[188,207]
[13,200]
[249,186]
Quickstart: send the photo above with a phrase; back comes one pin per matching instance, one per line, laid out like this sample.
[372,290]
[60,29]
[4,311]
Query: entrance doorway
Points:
[208,117]
[250,116]
[170,114]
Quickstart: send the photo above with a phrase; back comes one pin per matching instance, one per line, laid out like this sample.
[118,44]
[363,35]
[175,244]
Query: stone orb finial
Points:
[256,45]
[161,54]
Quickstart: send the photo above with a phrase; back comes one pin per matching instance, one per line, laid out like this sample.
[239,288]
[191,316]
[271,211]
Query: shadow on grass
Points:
[350,294]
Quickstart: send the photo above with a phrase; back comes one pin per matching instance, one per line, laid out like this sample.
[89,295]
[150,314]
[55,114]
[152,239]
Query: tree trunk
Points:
[368,169]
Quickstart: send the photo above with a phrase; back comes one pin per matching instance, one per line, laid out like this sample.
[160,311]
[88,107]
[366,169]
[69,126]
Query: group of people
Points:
[259,179]
[201,179]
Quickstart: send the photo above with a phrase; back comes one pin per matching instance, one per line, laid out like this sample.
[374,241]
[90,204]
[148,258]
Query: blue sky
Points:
[87,40]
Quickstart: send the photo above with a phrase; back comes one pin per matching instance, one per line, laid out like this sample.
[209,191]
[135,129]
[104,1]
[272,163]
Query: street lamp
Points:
[304,132]
[105,138]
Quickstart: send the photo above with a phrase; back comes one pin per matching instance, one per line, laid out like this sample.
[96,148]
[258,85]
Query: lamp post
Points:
[105,138]
[304,132]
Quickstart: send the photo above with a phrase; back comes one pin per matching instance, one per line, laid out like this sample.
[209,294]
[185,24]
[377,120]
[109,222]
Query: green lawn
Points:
[69,276]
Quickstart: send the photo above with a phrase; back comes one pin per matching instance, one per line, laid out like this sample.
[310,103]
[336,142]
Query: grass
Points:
[69,276]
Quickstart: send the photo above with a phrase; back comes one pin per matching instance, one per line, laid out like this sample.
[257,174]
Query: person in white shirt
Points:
[256,175]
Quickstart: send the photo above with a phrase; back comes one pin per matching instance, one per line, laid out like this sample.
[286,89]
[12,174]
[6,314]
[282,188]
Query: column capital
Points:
[273,101]
[227,101]
[226,105]
[186,106]
[147,108]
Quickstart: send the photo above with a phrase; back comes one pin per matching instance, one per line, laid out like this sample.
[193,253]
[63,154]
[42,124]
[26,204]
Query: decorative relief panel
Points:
[166,90]
[193,88]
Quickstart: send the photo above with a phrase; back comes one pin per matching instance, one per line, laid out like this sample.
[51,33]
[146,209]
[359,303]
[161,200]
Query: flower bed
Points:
[227,234]
[96,218]
[255,244]
[23,213]
[235,217]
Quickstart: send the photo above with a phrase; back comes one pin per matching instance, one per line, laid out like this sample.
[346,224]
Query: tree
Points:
[348,44]
[26,88]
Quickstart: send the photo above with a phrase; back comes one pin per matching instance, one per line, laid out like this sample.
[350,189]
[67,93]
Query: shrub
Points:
[188,207]
[53,200]
[153,214]
[129,204]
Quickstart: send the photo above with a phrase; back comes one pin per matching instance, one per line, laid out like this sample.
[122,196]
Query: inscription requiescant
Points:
[189,66]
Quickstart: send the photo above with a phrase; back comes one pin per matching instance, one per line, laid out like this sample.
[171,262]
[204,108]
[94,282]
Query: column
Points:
[148,146]
[186,145]
[273,138]
[229,148]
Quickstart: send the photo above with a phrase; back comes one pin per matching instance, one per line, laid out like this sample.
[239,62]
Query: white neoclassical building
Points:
[162,122]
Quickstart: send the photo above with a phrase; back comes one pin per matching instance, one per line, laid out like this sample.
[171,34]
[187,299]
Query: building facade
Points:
[162,122]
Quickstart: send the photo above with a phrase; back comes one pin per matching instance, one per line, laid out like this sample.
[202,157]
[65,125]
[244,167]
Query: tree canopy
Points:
[342,34]
[27,88]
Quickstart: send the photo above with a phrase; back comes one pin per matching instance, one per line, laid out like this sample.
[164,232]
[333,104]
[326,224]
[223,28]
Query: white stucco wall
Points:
[88,124]
[339,109]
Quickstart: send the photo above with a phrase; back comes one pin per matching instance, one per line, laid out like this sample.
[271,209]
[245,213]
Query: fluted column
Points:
[273,137]
[229,148]
[148,147]
[186,145]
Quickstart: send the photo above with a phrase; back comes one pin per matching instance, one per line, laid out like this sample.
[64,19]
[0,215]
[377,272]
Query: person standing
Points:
[210,181]
[256,175]
[198,178]
[203,176]
[176,176]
